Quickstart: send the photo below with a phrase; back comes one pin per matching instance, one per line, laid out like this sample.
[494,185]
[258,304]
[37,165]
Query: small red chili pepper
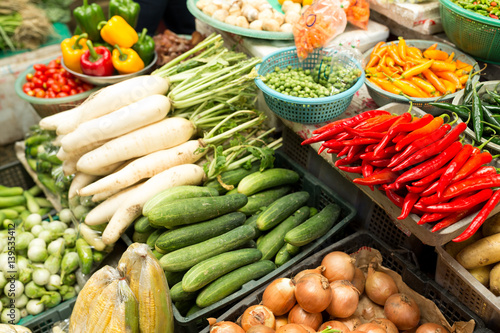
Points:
[365,134]
[432,217]
[430,190]
[320,150]
[387,153]
[392,132]
[342,161]
[416,189]
[458,205]
[384,177]
[366,171]
[472,165]
[354,153]
[334,134]
[408,203]
[418,133]
[428,179]
[343,151]
[353,121]
[351,169]
[434,149]
[370,148]
[396,199]
[483,171]
[382,125]
[353,142]
[496,18]
[329,150]
[480,218]
[454,218]
[453,167]
[418,144]
[381,163]
[399,137]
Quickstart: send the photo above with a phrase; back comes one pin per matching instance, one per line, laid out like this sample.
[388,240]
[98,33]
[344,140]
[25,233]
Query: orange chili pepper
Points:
[402,48]
[417,69]
[389,61]
[435,54]
[463,79]
[450,58]
[377,56]
[434,80]
[414,86]
[432,47]
[416,60]
[449,76]
[450,87]
[443,66]
[376,47]
[387,86]
[414,52]
[381,63]
[424,85]
[460,72]
[408,89]
[392,51]
[390,71]
[461,64]
[407,66]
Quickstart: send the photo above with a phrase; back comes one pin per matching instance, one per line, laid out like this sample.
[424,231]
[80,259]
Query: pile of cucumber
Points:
[212,239]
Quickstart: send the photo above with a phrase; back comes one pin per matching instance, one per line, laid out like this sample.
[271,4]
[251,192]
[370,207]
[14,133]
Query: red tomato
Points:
[40,94]
[65,88]
[80,90]
[37,82]
[26,87]
[55,88]
[53,64]
[40,67]
[73,92]
[51,94]
[87,86]
[71,83]
[62,94]
[49,72]
[31,93]
[43,78]
[62,81]
[38,73]
[29,76]
[50,81]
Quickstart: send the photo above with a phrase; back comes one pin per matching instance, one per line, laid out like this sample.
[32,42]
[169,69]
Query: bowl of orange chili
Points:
[420,71]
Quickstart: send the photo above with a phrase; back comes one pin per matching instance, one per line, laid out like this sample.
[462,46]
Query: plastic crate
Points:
[458,281]
[450,306]
[14,174]
[43,322]
[320,196]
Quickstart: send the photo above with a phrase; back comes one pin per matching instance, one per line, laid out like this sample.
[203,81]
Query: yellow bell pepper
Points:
[126,60]
[307,2]
[117,31]
[72,50]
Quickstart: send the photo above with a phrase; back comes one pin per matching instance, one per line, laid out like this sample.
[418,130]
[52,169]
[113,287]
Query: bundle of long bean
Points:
[419,163]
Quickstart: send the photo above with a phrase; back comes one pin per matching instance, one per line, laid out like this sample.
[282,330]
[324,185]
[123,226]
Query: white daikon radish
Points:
[144,112]
[103,212]
[69,167]
[186,174]
[92,237]
[80,181]
[146,167]
[51,122]
[57,141]
[64,155]
[105,170]
[112,98]
[101,196]
[161,135]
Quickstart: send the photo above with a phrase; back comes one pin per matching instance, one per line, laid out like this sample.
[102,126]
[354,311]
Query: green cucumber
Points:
[232,281]
[313,212]
[259,181]
[252,221]
[195,308]
[15,200]
[189,211]
[189,256]
[11,191]
[281,209]
[157,254]
[178,294]
[208,270]
[151,241]
[283,256]
[249,244]
[232,178]
[174,277]
[315,227]
[193,234]
[233,191]
[272,242]
[176,193]
[264,198]
[142,225]
[292,249]
[141,237]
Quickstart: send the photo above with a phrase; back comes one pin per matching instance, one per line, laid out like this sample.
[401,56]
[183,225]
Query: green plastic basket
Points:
[382,97]
[472,33]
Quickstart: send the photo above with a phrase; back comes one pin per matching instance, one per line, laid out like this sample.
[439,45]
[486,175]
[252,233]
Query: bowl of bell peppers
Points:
[116,53]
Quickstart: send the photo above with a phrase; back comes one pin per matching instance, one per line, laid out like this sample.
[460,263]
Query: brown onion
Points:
[379,286]
[257,315]
[279,296]
[367,310]
[309,329]
[371,328]
[345,298]
[225,327]
[292,328]
[260,329]
[297,315]
[352,322]
[334,325]
[281,321]
[403,311]
[313,292]
[317,270]
[387,324]
[359,280]
[431,328]
[338,266]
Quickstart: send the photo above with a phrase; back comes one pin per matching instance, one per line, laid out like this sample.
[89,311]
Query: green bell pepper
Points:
[145,47]
[127,9]
[88,17]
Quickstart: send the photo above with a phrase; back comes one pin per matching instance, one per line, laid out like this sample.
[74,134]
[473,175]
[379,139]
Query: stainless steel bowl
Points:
[107,80]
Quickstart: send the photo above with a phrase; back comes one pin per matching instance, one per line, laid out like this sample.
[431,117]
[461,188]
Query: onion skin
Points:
[281,321]
[226,327]
[338,266]
[402,310]
[260,329]
[317,270]
[379,286]
[309,329]
[431,328]
[335,325]
[297,315]
[371,328]
[292,328]
[359,280]
[313,293]
[387,324]
[279,296]
[352,322]
[257,315]
[345,299]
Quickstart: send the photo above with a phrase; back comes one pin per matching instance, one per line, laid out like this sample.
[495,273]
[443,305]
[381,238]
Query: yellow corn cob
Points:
[94,286]
[117,322]
[103,309]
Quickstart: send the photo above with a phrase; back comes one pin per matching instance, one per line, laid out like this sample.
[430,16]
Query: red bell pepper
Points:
[96,61]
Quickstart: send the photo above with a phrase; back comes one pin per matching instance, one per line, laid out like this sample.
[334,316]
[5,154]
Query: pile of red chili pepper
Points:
[420,164]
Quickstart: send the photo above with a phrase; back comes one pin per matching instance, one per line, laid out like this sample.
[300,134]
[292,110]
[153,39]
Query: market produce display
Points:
[346,293]
[419,163]
[485,8]
[403,70]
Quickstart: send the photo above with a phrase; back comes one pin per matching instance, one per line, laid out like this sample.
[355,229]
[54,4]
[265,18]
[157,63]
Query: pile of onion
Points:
[379,286]
[431,328]
[338,266]
[403,311]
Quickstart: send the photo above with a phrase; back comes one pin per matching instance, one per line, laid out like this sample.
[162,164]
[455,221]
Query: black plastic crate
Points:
[449,305]
[14,174]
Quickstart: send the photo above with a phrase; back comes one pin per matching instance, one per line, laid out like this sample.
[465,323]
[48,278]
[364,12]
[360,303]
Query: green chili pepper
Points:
[462,111]
[488,117]
[477,114]
[492,108]
[88,17]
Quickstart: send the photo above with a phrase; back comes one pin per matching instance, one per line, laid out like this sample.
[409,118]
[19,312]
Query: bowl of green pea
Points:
[311,91]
